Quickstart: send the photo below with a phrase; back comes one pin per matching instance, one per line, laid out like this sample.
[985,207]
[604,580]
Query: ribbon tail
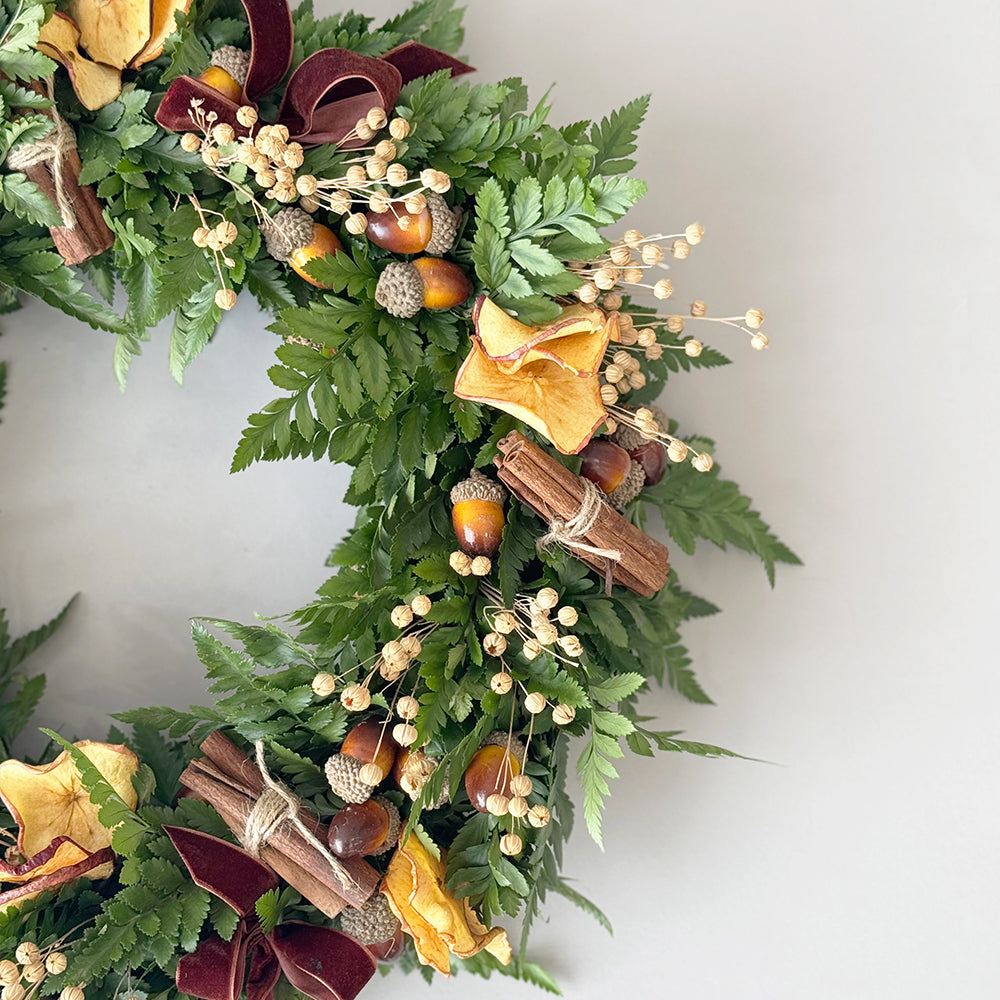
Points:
[414,59]
[320,962]
[215,969]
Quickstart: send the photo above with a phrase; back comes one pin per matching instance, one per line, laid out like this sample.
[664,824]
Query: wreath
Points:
[381,774]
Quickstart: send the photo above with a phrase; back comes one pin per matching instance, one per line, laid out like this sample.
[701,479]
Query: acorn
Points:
[371,743]
[363,829]
[482,776]
[477,514]
[431,230]
[371,924]
[648,452]
[294,237]
[427,283]
[610,467]
[227,72]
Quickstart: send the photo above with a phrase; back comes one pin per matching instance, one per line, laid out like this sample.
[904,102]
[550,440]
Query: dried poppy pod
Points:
[364,829]
[294,237]
[477,514]
[411,771]
[427,283]
[432,230]
[648,452]
[227,72]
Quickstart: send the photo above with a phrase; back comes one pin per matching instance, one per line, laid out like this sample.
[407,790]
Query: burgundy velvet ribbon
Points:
[325,96]
[320,962]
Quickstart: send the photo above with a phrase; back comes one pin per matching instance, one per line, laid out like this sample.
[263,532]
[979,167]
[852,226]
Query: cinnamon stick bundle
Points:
[552,491]
[89,235]
[231,784]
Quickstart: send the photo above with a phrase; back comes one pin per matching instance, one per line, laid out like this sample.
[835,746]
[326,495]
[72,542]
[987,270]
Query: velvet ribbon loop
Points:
[325,96]
[320,962]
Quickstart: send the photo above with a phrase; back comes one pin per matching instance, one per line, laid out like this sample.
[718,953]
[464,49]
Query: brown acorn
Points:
[363,829]
[371,742]
[648,452]
[605,463]
[482,776]
[427,283]
[432,230]
[477,514]
[295,238]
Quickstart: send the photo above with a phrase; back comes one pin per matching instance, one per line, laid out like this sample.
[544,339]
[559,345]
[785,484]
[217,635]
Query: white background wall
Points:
[843,158]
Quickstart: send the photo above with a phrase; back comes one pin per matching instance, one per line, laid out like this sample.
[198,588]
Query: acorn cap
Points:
[400,290]
[372,923]
[477,487]
[394,824]
[234,61]
[498,738]
[344,775]
[444,226]
[286,231]
[629,488]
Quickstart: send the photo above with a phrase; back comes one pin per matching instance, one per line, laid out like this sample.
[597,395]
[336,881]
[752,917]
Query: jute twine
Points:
[51,150]
[278,805]
[571,533]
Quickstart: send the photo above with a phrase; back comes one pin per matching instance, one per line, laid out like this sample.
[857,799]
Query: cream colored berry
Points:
[663,289]
[223,134]
[693,348]
[306,185]
[703,462]
[371,774]
[759,341]
[399,129]
[460,562]
[538,816]
[518,807]
[407,707]
[72,993]
[677,451]
[357,223]
[609,395]
[568,616]
[620,255]
[247,116]
[34,973]
[511,844]
[56,963]
[675,324]
[13,992]
[420,605]
[200,236]
[379,202]
[415,203]
[363,130]
[501,683]
[548,597]
[481,566]
[497,804]
[404,734]
[356,176]
[9,973]
[632,238]
[375,167]
[190,142]
[699,308]
[563,715]
[226,232]
[531,648]
[504,623]
[411,645]
[401,615]
[652,253]
[494,644]
[694,233]
[355,698]
[535,702]
[546,633]
[681,249]
[587,293]
[225,298]
[376,118]
[571,646]
[521,785]
[210,156]
[324,684]
[612,302]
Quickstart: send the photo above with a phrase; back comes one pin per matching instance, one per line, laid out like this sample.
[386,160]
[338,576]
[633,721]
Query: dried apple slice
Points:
[163,26]
[95,84]
[113,31]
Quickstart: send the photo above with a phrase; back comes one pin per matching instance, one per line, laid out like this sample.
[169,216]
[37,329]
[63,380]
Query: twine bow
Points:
[571,534]
[51,150]
[277,805]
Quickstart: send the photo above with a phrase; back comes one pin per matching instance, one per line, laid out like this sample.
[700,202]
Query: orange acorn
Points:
[228,72]
[477,514]
[427,283]
[295,238]
[371,742]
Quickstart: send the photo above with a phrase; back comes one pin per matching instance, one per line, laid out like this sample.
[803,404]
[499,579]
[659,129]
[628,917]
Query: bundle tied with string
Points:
[271,824]
[52,163]
[579,519]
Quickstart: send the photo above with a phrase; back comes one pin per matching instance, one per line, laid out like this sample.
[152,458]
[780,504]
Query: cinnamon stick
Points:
[91,235]
[552,491]
[231,784]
